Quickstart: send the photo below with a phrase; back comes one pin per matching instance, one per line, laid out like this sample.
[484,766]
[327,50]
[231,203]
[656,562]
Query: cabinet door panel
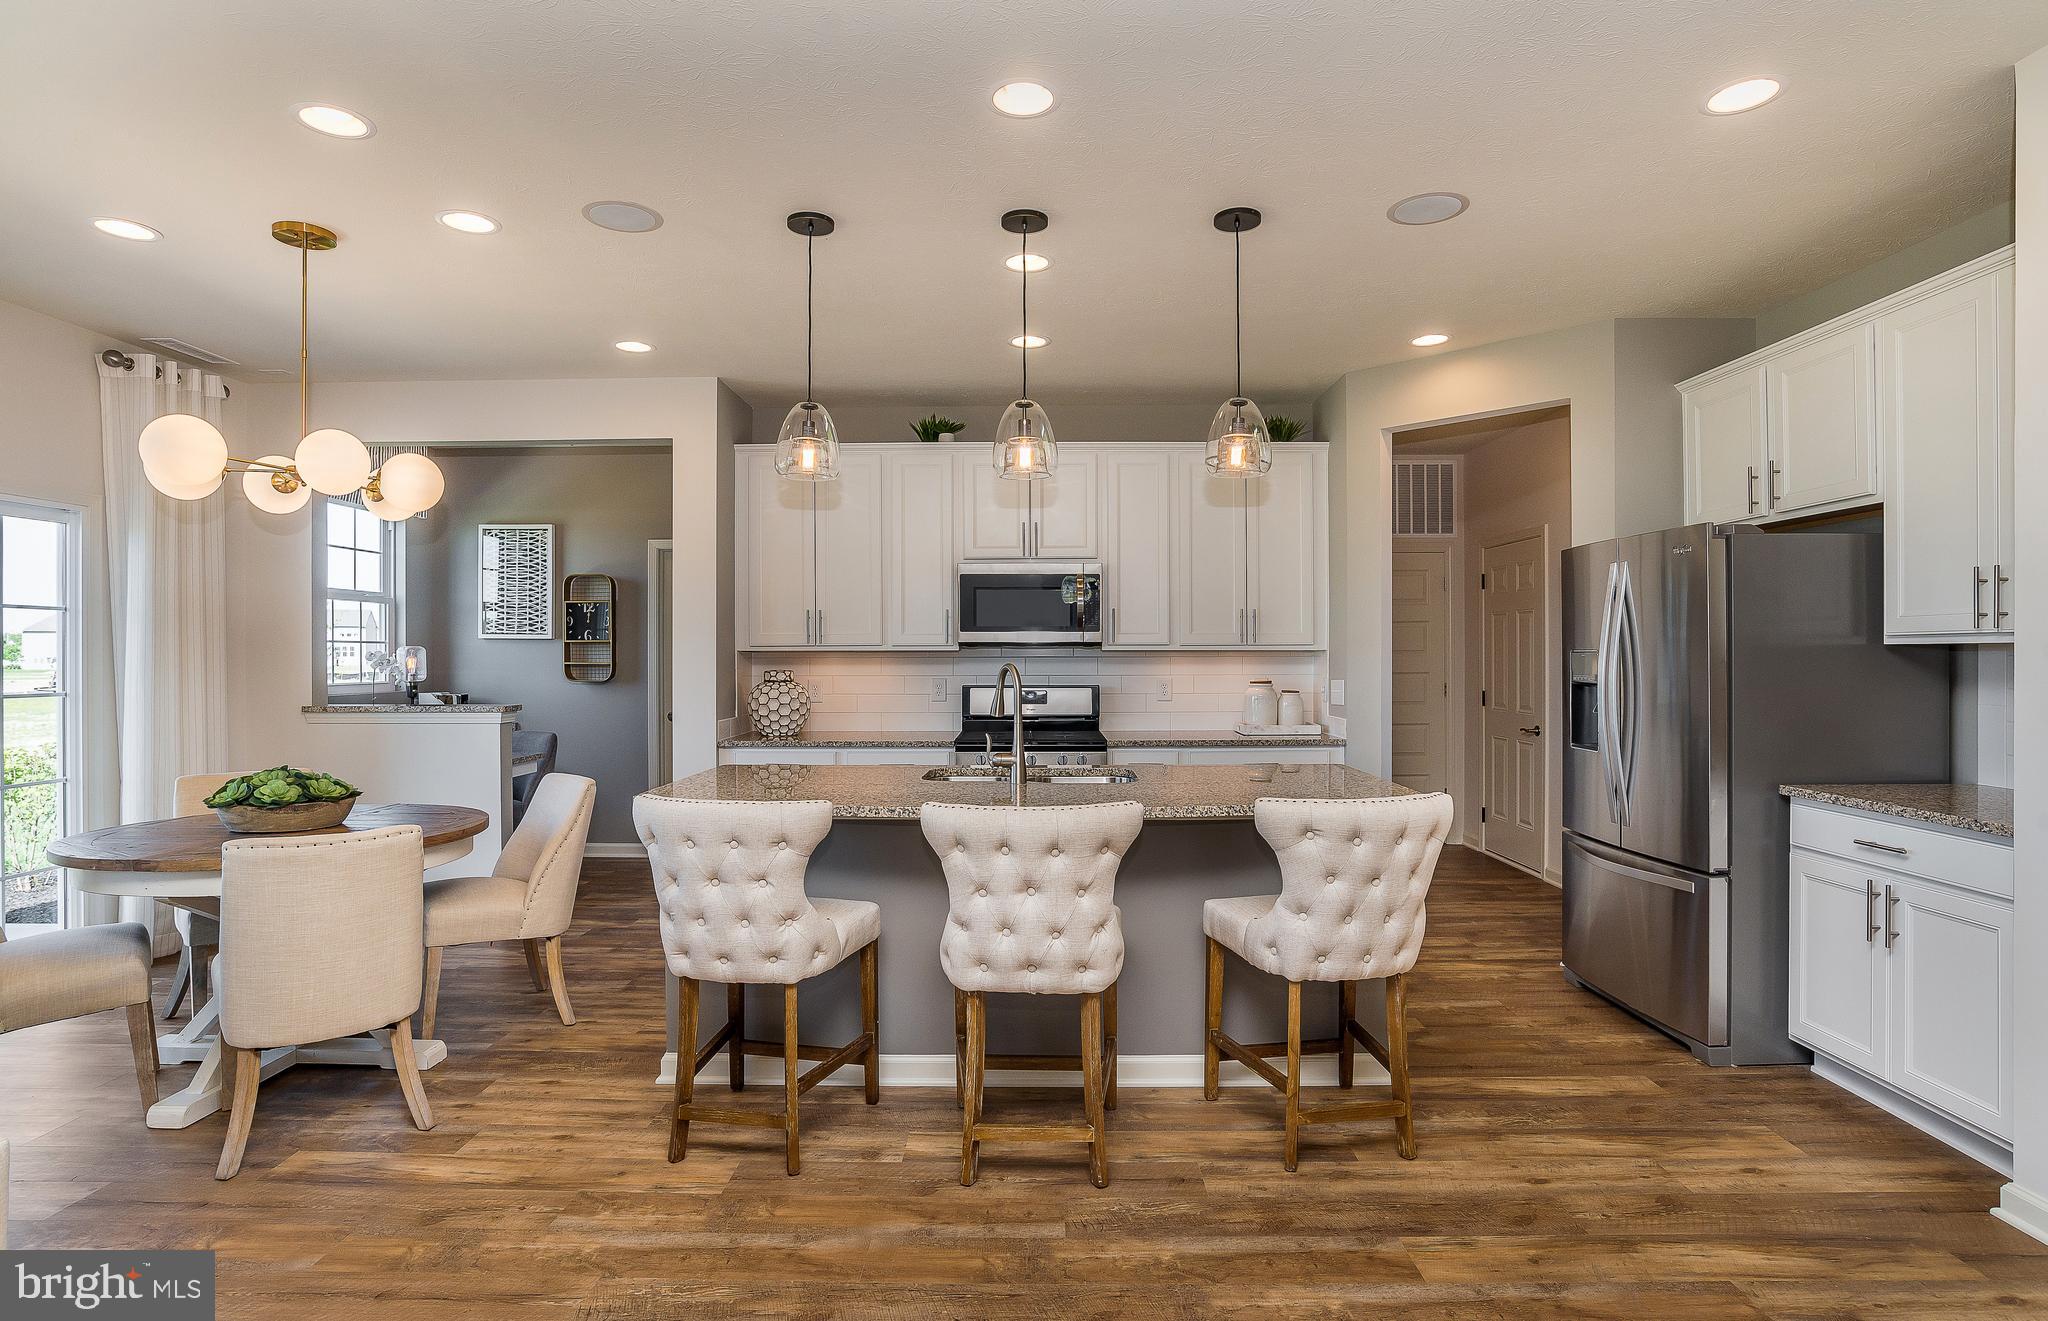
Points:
[1823,438]
[1724,449]
[1285,534]
[1209,563]
[1063,508]
[1137,545]
[997,511]
[1838,971]
[849,555]
[776,548]
[922,573]
[1951,1003]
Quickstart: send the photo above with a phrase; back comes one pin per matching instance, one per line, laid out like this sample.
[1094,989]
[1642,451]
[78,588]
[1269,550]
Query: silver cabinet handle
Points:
[1891,930]
[1998,582]
[1240,624]
[1532,731]
[807,626]
[1255,625]
[1751,470]
[1881,848]
[1037,537]
[1112,623]
[1977,581]
[1870,926]
[821,628]
[1771,491]
[948,634]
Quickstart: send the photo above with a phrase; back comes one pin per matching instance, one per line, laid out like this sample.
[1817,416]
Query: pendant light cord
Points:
[810,237]
[1237,246]
[304,254]
[1024,340]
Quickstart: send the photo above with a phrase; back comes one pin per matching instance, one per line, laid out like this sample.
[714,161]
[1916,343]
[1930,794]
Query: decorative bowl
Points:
[294,818]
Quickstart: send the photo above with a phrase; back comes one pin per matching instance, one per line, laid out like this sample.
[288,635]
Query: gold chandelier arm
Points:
[257,465]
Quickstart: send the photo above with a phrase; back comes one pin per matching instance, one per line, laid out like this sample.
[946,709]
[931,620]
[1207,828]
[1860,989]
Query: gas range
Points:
[1062,726]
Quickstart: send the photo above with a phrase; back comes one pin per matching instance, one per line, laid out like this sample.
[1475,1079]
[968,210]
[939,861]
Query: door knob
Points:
[1532,731]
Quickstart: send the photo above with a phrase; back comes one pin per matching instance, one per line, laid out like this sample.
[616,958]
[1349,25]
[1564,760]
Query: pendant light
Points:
[186,457]
[1237,438]
[807,448]
[1024,450]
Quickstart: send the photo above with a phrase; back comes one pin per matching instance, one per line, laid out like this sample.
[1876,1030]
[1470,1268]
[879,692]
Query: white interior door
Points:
[1516,787]
[1422,629]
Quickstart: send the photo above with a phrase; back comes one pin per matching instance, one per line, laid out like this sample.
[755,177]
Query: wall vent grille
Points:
[186,350]
[1425,498]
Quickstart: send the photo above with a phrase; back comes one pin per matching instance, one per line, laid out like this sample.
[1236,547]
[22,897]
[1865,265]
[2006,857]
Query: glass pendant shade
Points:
[275,492]
[412,482]
[333,462]
[807,449]
[1025,450]
[412,665]
[1238,446]
[183,456]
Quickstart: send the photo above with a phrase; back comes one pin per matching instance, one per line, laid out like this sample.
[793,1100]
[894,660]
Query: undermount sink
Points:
[1033,775]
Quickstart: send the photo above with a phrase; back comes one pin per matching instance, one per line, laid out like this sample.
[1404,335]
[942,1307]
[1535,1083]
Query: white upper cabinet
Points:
[1823,437]
[919,576]
[849,559]
[1210,554]
[1137,547]
[1725,455]
[1286,536]
[776,599]
[1063,508]
[998,512]
[1944,413]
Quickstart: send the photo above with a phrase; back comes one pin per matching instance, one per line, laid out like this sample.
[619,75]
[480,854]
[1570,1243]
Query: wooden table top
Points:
[193,843]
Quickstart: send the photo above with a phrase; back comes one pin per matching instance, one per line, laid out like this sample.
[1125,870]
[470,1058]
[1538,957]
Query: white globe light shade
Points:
[183,456]
[261,488]
[333,462]
[388,510]
[412,482]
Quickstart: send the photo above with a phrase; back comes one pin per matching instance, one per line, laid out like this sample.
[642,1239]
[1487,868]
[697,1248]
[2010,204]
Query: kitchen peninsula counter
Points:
[1127,738]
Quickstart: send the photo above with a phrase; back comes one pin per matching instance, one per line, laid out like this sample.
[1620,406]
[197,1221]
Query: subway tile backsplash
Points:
[854,691]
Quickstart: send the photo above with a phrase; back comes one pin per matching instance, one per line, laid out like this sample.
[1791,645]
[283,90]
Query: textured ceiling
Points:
[1599,189]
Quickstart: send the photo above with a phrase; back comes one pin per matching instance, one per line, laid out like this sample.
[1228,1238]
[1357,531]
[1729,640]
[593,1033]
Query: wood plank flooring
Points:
[1573,1163]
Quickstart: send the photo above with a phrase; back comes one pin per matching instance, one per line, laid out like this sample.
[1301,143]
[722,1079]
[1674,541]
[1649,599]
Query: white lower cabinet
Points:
[1255,756]
[1905,978]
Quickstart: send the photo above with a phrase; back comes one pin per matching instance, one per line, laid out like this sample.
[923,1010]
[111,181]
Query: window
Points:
[39,548]
[358,600]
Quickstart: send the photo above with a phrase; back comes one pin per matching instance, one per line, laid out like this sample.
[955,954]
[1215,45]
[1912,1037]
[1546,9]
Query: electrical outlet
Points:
[1165,690]
[938,687]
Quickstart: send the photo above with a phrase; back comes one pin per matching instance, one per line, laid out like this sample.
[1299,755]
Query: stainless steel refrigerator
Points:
[1703,669]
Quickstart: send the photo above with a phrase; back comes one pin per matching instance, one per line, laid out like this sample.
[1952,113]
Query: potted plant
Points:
[283,799]
[1283,429]
[936,428]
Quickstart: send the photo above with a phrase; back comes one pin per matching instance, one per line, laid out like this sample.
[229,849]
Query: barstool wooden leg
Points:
[959,1048]
[871,1066]
[974,1052]
[1347,1009]
[1293,1151]
[1109,1042]
[1212,1021]
[686,1066]
[736,1014]
[790,1075]
[1094,1084]
[1397,1063]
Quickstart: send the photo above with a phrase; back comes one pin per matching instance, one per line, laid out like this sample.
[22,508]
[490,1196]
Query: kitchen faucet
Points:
[1009,671]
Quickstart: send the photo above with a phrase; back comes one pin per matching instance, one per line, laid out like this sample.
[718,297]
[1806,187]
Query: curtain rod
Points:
[116,358]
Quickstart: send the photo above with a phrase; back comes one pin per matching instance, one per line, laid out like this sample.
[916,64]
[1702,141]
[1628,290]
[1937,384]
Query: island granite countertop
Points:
[1135,738]
[1977,807]
[401,708]
[1167,793]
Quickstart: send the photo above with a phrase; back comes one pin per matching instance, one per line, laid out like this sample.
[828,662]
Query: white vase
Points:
[1261,703]
[1292,710]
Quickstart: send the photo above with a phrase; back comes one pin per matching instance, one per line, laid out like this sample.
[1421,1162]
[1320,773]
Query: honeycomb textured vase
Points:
[779,705]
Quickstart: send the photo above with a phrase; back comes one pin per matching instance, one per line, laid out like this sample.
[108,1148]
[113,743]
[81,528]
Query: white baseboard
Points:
[1978,1146]
[634,850]
[2024,1211]
[1131,1071]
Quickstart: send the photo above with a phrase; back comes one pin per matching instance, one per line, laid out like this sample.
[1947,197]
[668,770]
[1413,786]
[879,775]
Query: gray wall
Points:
[1930,257]
[1651,355]
[606,505]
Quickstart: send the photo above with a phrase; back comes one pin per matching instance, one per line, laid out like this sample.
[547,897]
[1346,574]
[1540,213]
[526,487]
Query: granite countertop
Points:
[1167,793]
[1138,738]
[1975,807]
[400,708]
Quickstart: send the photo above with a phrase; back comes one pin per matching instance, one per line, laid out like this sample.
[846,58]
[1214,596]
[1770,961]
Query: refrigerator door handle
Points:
[1604,694]
[1616,860]
[1629,660]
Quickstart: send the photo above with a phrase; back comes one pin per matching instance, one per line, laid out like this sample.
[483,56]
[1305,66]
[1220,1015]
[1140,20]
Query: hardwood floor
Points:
[1572,1163]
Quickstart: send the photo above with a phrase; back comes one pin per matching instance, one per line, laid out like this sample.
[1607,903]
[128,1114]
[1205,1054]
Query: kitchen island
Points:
[1198,843]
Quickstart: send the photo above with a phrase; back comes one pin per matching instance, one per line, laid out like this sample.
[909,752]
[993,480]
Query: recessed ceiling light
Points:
[1747,94]
[334,121]
[1026,261]
[1429,341]
[624,217]
[469,222]
[126,229]
[1027,341]
[1428,208]
[1023,100]
[633,346]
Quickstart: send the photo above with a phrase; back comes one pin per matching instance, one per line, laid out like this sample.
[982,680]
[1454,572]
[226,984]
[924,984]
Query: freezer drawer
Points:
[1649,936]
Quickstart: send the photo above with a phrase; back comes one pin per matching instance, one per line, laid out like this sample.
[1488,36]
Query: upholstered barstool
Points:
[1353,874]
[1031,899]
[729,878]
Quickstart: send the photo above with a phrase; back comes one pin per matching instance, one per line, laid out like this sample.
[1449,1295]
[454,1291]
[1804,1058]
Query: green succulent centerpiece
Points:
[283,799]
[933,428]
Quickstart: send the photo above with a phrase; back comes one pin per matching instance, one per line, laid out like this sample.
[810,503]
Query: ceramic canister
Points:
[1261,703]
[1292,710]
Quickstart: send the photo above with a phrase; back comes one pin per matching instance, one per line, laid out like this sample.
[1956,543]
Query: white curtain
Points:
[167,588]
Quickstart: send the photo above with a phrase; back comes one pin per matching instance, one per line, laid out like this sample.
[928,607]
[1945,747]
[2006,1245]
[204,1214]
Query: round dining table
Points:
[178,861]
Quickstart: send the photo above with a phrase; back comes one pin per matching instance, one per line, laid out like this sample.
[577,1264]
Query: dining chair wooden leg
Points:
[1094,1083]
[1292,1154]
[248,1071]
[142,1040]
[1397,1063]
[1109,1043]
[557,984]
[181,982]
[532,948]
[959,1048]
[408,1066]
[686,1067]
[974,1054]
[735,1057]
[1347,1009]
[1212,1020]
[430,994]
[792,1163]
[871,1065]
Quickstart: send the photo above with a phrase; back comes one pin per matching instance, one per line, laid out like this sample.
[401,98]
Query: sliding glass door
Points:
[39,653]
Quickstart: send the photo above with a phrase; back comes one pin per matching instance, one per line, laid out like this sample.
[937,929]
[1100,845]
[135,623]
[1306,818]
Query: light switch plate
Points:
[1166,690]
[1336,692]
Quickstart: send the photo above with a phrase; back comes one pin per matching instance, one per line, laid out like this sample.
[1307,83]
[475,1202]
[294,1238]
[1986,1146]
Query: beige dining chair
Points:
[67,974]
[530,895]
[320,938]
[198,933]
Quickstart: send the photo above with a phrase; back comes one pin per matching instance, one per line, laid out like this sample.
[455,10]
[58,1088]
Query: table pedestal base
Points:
[200,1040]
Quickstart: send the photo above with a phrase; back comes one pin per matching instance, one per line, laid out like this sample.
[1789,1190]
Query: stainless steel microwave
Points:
[1054,603]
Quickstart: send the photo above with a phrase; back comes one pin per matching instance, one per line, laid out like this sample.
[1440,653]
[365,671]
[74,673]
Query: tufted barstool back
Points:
[1032,894]
[729,878]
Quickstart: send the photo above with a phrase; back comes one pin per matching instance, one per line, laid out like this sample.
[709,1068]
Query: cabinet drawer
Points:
[1875,841]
